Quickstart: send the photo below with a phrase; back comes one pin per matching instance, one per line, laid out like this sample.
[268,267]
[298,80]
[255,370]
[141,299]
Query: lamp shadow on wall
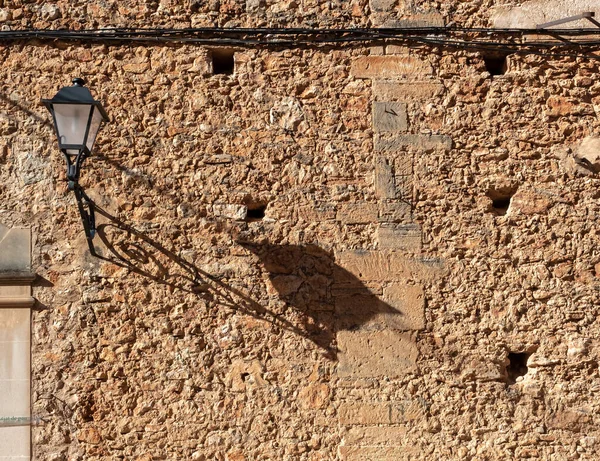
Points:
[320,297]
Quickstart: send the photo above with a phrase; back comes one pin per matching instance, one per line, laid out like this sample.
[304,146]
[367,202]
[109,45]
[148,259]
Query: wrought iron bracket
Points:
[87,213]
[74,167]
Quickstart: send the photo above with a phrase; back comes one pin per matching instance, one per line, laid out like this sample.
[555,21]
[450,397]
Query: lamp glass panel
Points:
[94,126]
[71,122]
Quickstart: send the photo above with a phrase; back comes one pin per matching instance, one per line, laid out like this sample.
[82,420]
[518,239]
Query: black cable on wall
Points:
[563,42]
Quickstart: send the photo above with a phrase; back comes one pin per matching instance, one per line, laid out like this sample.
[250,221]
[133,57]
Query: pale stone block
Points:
[409,302]
[348,453]
[383,265]
[15,250]
[365,266]
[389,117]
[401,308]
[374,435]
[376,50]
[14,398]
[317,213]
[384,179]
[389,67]
[373,354]
[14,325]
[15,441]
[358,213]
[230,211]
[399,237]
[352,413]
[399,91]
[396,49]
[407,410]
[395,212]
[382,5]
[15,360]
[535,12]
[421,141]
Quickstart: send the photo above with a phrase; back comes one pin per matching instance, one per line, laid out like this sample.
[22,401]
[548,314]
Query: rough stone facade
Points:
[334,253]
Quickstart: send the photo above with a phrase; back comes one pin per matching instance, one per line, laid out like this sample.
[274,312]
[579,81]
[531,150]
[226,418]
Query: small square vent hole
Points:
[517,366]
[501,198]
[256,212]
[223,61]
[495,64]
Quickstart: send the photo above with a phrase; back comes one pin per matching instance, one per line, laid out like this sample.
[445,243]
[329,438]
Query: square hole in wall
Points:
[517,366]
[223,61]
[256,212]
[495,63]
[501,198]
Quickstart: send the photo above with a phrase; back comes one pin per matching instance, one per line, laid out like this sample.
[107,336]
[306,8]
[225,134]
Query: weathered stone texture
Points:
[426,142]
[399,91]
[384,353]
[389,117]
[283,263]
[389,67]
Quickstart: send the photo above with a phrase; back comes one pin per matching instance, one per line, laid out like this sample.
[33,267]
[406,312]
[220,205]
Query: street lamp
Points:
[77,118]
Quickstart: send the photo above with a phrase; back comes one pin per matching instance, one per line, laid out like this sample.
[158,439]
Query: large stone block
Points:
[420,141]
[317,212]
[361,413]
[383,265]
[358,213]
[401,308]
[365,354]
[374,435]
[395,212]
[400,91]
[399,237]
[384,179]
[389,117]
[389,67]
[348,453]
[535,12]
[409,302]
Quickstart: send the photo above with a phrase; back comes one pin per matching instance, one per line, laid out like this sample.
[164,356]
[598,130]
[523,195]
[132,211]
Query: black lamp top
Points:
[76,94]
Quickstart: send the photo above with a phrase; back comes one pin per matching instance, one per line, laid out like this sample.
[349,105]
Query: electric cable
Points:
[509,40]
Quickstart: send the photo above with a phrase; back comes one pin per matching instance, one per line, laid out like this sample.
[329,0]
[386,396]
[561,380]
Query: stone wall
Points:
[354,253]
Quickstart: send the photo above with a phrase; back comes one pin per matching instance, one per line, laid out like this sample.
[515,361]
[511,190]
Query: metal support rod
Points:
[587,15]
[88,217]
[593,21]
